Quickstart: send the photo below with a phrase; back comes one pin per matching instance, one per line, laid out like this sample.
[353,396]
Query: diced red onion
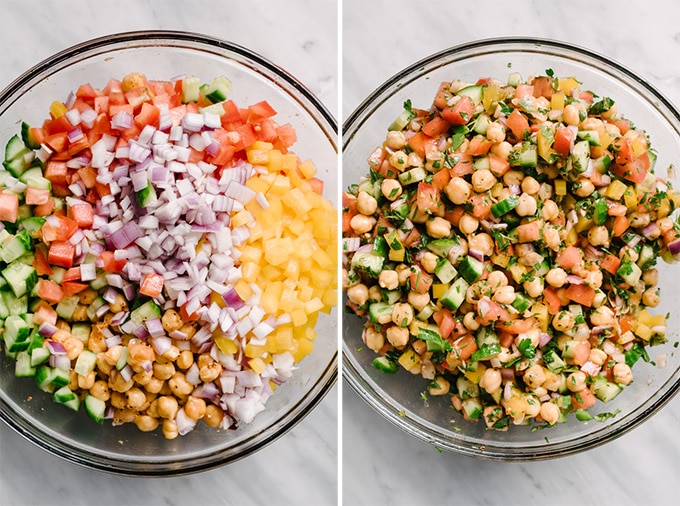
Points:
[60,361]
[126,373]
[674,247]
[122,120]
[47,329]
[55,347]
[161,344]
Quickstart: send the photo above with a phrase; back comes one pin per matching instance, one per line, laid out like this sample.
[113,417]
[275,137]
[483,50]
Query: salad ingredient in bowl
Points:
[164,253]
[503,244]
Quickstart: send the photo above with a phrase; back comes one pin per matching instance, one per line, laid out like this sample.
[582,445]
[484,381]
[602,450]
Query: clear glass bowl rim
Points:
[381,403]
[305,98]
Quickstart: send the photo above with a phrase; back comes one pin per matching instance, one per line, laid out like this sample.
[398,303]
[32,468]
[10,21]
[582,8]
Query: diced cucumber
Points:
[591,136]
[23,368]
[123,358]
[33,178]
[190,89]
[15,305]
[146,196]
[401,121]
[81,331]
[472,407]
[147,310]
[16,246]
[57,275]
[646,257]
[67,397]
[467,389]
[32,225]
[94,307]
[604,389]
[67,306]
[367,262]
[481,124]
[20,277]
[39,356]
[578,159]
[86,362]
[442,246]
[94,407]
[600,211]
[514,79]
[629,271]
[471,269]
[391,296]
[414,175]
[582,415]
[217,90]
[454,296]
[504,206]
[525,157]
[553,361]
[100,281]
[482,163]
[48,378]
[378,312]
[521,302]
[474,91]
[15,149]
[16,334]
[445,271]
[384,364]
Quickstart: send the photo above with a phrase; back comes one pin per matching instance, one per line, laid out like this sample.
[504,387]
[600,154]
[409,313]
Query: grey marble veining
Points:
[383,465]
[300,468]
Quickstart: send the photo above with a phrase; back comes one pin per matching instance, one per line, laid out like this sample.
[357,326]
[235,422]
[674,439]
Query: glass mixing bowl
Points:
[397,397]
[165,55]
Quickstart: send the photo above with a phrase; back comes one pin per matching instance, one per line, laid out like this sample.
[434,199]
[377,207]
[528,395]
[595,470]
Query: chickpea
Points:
[532,335]
[402,314]
[179,385]
[439,386]
[531,259]
[527,205]
[121,416]
[397,336]
[639,220]
[583,188]
[395,139]
[404,272]
[361,223]
[195,407]
[143,378]
[418,300]
[594,278]
[550,211]
[374,293]
[551,237]
[533,287]
[87,296]
[97,342]
[550,412]
[495,132]
[563,321]
[170,430]
[146,423]
[665,224]
[86,382]
[483,243]
[650,297]
[113,354]
[163,370]
[491,380]
[134,398]
[119,304]
[133,80]
[651,277]
[414,160]
[502,149]
[398,160]
[213,416]
[366,203]
[611,129]
[532,406]
[530,186]
[100,390]
[73,347]
[117,383]
[534,376]
[139,354]
[570,115]
[428,262]
[623,375]
[80,314]
[576,381]
[438,227]
[167,407]
[154,385]
[504,295]
[496,279]
[483,180]
[185,359]
[598,236]
[602,316]
[358,294]
[597,356]
[553,382]
[470,321]
[373,339]
[209,368]
[391,189]
[468,224]
[171,320]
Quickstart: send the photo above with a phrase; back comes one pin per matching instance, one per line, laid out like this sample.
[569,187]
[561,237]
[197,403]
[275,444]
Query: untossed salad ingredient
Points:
[503,246]
[164,255]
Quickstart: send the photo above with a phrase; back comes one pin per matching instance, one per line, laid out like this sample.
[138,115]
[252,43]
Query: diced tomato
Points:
[421,281]
[61,253]
[564,141]
[149,114]
[464,347]
[246,136]
[60,228]
[551,300]
[443,95]
[40,263]
[49,291]
[259,111]
[287,135]
[57,125]
[417,143]
[56,172]
[479,145]
[490,312]
[44,313]
[71,288]
[497,165]
[518,124]
[316,184]
[620,225]
[460,113]
[436,126]
[82,214]
[86,92]
[569,257]
[109,262]
[481,205]
[463,167]
[152,285]
[428,199]
[543,86]
[265,130]
[581,294]
[610,263]
[72,274]
[232,113]
[583,399]
[185,316]
[445,321]
[524,90]
[518,326]
[44,209]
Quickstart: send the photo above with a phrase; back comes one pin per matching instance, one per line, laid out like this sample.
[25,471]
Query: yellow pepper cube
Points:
[255,350]
[303,348]
[292,270]
[257,156]
[298,316]
[296,201]
[557,101]
[409,359]
[474,375]
[275,163]
[241,218]
[250,271]
[280,186]
[560,187]
[278,250]
[308,169]
[288,300]
[243,289]
[258,184]
[257,365]
[284,338]
[312,306]
[322,278]
[57,109]
[616,189]
[323,259]
[226,345]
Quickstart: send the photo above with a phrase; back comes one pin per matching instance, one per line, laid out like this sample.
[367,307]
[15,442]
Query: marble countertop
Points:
[297,469]
[383,465]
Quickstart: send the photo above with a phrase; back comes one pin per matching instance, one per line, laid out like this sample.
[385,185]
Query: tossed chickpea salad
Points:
[164,254]
[503,244]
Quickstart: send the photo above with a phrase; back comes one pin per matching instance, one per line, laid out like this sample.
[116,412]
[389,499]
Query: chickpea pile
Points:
[503,247]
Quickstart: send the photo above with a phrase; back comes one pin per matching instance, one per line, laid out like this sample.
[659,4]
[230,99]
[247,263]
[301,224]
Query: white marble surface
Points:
[301,467]
[382,465]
